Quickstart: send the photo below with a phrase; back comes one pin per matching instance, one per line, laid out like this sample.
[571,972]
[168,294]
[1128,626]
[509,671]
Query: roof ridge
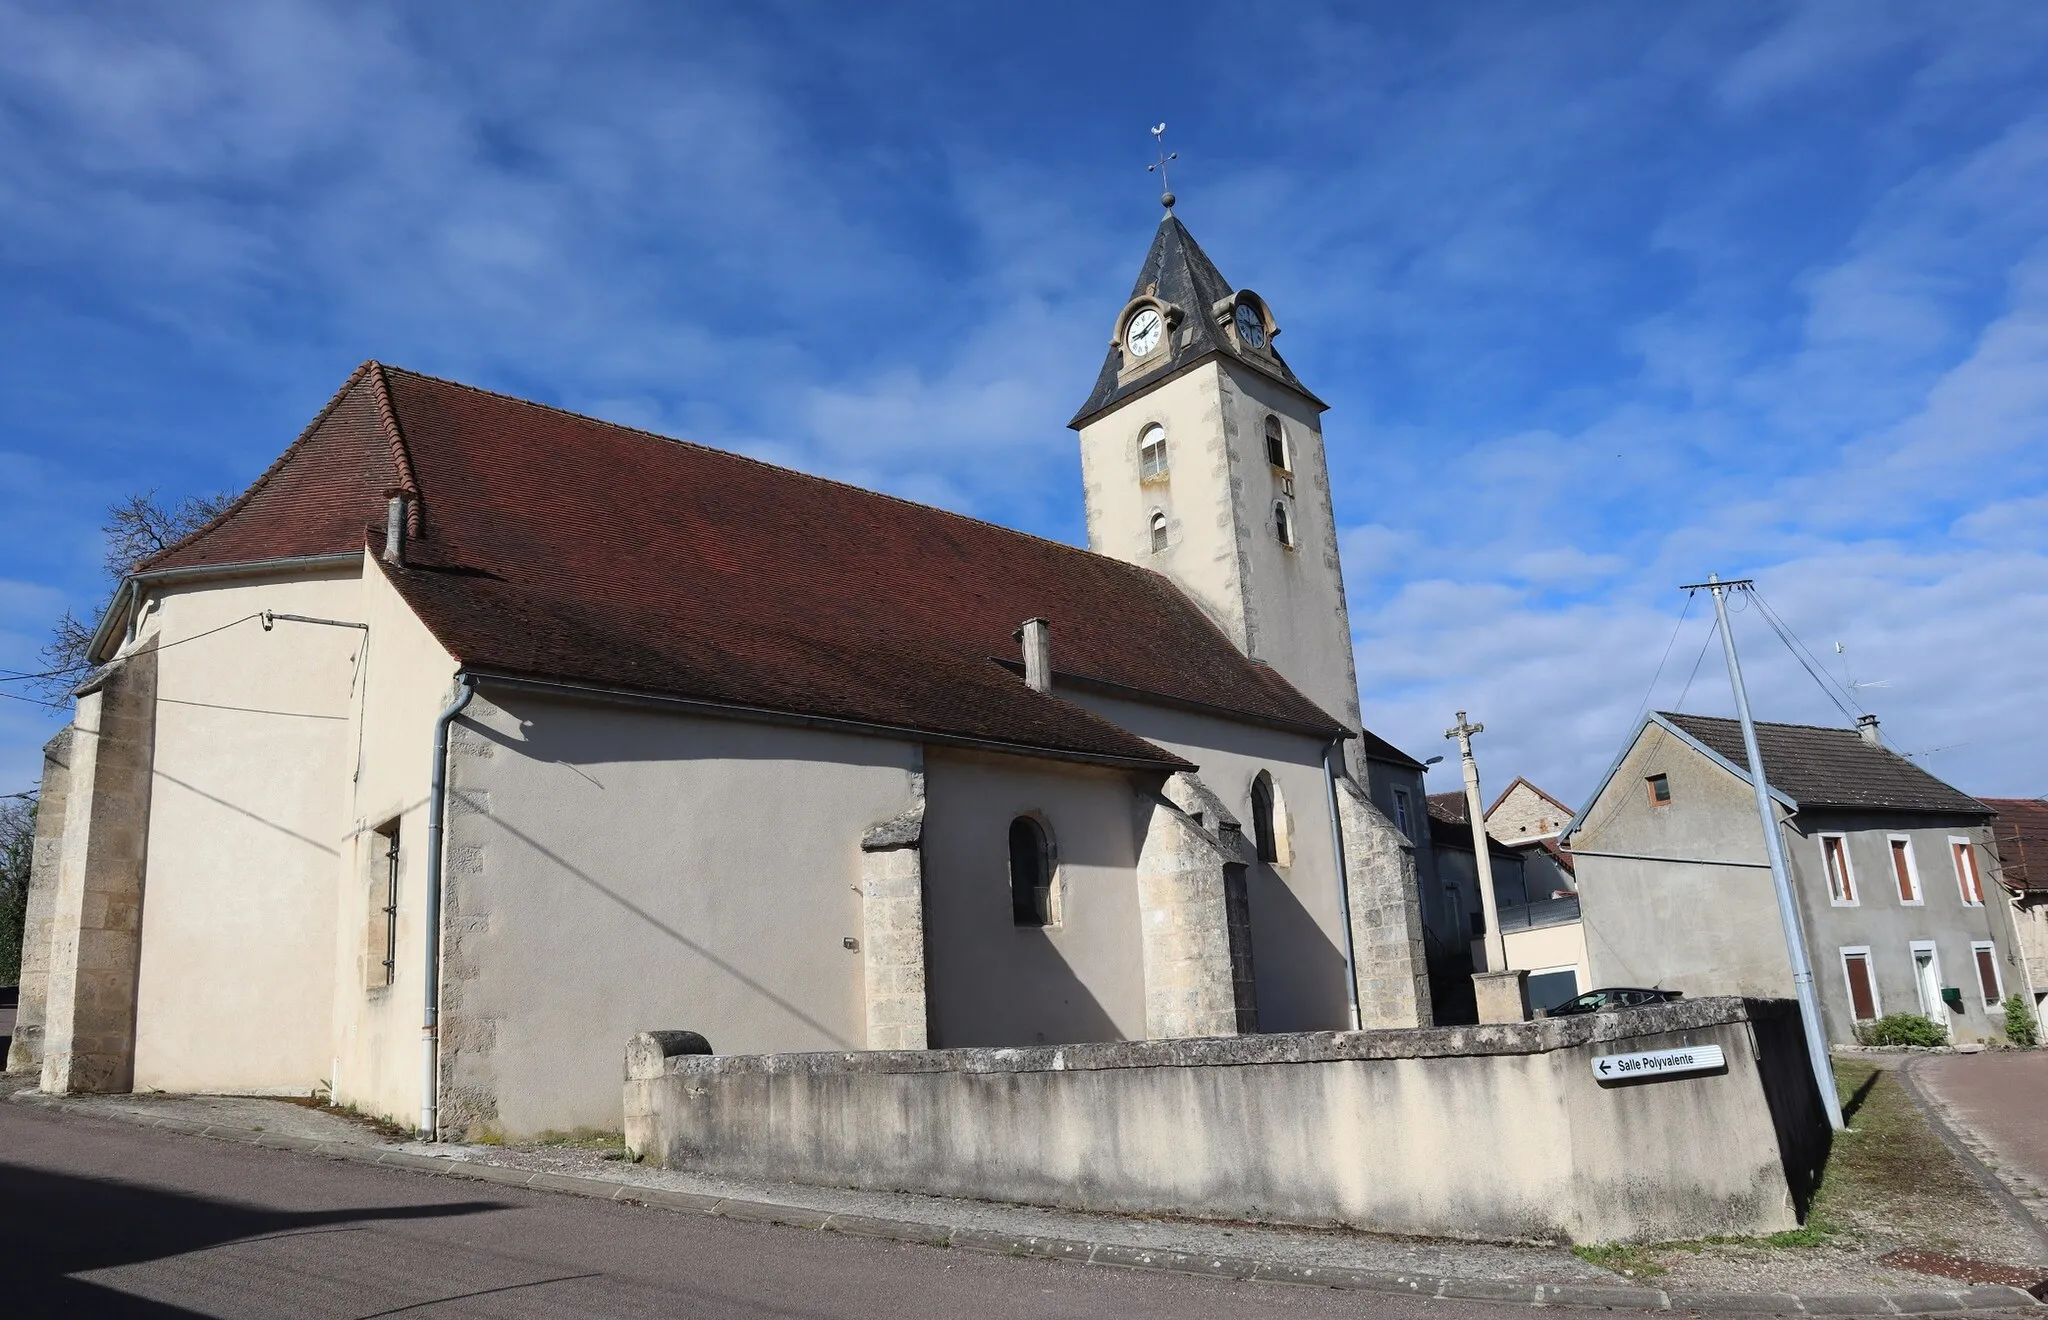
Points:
[1069,548]
[263,478]
[394,436]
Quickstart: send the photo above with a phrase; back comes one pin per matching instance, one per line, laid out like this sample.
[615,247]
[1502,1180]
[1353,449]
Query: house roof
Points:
[554,546]
[1180,274]
[1377,748]
[1820,766]
[1519,782]
[2021,835]
[1450,808]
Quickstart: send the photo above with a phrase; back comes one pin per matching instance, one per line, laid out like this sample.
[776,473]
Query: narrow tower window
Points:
[1030,874]
[1276,444]
[1152,452]
[1282,524]
[1158,531]
[1269,820]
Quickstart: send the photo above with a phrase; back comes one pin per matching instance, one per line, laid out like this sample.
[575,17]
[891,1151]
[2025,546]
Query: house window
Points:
[1927,981]
[1269,820]
[1152,453]
[384,917]
[1158,531]
[1990,980]
[1834,855]
[1967,880]
[1904,872]
[1660,790]
[1283,525]
[1031,898]
[1863,1002]
[1276,444]
[1403,812]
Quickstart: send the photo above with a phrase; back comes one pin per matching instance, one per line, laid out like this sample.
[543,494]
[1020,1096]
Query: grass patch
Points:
[1629,1261]
[1889,1173]
[583,1138]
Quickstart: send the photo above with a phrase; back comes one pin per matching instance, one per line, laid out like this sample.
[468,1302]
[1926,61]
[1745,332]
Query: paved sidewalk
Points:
[1997,1102]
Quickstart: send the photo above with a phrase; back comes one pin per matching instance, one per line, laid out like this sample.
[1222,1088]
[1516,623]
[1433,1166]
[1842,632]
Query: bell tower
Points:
[1202,459]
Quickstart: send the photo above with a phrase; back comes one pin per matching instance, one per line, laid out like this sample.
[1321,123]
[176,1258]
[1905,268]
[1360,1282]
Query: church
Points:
[477,736]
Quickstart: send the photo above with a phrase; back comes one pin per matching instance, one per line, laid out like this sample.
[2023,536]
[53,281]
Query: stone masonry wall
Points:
[1386,914]
[1183,908]
[892,928]
[96,915]
[25,1054]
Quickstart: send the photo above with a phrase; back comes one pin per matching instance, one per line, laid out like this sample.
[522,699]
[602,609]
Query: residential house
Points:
[1889,867]
[1534,893]
[2020,834]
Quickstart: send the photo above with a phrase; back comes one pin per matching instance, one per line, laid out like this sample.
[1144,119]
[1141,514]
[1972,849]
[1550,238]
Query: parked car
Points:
[1615,996]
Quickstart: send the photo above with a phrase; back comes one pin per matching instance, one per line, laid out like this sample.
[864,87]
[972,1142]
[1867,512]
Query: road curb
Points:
[1585,1296]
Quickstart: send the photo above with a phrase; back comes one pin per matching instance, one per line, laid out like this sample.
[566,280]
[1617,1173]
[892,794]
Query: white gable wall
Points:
[252,740]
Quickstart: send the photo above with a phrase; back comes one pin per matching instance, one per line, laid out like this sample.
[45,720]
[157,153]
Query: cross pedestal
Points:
[1502,996]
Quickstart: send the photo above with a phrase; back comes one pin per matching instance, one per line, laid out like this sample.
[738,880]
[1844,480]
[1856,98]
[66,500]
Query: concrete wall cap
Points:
[1230,1051]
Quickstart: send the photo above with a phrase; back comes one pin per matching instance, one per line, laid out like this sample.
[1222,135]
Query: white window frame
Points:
[1404,813]
[1855,898]
[1919,898]
[1870,970]
[1937,1012]
[1997,972]
[1969,850]
[1165,454]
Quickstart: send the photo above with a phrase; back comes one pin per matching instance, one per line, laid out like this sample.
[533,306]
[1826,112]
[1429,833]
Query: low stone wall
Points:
[1499,1132]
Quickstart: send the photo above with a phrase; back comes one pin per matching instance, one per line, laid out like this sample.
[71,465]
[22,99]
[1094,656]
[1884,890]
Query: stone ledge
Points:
[1536,1037]
[1583,1296]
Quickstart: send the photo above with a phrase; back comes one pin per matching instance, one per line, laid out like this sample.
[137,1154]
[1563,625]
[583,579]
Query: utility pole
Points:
[1496,942]
[1781,877]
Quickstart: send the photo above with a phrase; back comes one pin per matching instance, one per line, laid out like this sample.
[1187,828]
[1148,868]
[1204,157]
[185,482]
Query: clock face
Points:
[1142,335]
[1251,329]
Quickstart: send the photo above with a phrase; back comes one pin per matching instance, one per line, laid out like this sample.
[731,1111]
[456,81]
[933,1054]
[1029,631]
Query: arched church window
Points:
[1283,525]
[1152,453]
[1276,444]
[1158,531]
[1269,820]
[1031,898]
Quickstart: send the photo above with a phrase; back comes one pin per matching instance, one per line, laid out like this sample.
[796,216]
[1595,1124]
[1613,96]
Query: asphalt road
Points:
[103,1219]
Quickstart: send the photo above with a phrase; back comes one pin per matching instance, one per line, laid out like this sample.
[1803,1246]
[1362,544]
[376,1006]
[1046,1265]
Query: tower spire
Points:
[1165,188]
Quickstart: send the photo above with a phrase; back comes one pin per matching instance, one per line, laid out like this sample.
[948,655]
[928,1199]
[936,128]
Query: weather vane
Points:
[1166,189]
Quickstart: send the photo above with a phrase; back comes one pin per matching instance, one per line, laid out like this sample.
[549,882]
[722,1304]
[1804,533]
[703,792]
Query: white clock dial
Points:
[1251,329]
[1142,335]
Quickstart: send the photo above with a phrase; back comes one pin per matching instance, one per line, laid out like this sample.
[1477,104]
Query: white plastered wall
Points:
[1297,921]
[375,1031]
[991,982]
[616,869]
[1548,947]
[253,732]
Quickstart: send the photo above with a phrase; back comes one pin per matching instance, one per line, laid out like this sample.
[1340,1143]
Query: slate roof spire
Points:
[1178,272]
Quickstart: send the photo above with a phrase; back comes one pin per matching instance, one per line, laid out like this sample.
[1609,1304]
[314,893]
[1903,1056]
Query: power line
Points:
[1712,633]
[1651,691]
[1805,657]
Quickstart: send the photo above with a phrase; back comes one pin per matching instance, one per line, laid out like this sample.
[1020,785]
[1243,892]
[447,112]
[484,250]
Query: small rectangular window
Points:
[382,954]
[1862,986]
[1990,980]
[1660,790]
[1904,872]
[1402,817]
[1967,881]
[1834,853]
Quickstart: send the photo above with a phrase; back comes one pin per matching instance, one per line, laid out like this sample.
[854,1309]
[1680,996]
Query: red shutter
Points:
[1860,998]
[1987,975]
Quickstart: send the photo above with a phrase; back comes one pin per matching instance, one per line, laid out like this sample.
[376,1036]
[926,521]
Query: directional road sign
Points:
[1659,1063]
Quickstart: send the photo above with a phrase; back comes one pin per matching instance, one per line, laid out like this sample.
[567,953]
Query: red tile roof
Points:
[2020,832]
[555,546]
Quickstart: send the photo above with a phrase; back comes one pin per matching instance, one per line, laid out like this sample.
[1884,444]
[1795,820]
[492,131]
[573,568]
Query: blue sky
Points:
[1604,297]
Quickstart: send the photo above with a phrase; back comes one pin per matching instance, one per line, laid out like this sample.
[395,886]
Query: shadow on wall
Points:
[1298,969]
[54,1225]
[1804,1138]
[1044,1003]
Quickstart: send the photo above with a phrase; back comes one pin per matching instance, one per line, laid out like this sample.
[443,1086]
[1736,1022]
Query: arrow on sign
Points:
[1604,1068]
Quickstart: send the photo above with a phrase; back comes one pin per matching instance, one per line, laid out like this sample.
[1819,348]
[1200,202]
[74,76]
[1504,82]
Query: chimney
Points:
[1036,634]
[1866,725]
[394,526]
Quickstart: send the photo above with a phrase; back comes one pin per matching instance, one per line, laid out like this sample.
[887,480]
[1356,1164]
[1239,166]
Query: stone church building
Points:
[477,736]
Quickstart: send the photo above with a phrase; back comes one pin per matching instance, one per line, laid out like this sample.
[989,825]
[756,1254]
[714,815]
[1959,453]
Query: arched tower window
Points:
[1269,820]
[1276,444]
[1158,531]
[1031,899]
[1152,452]
[1283,525]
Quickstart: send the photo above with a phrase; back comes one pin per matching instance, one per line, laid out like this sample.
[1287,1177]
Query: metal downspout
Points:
[437,793]
[1343,881]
